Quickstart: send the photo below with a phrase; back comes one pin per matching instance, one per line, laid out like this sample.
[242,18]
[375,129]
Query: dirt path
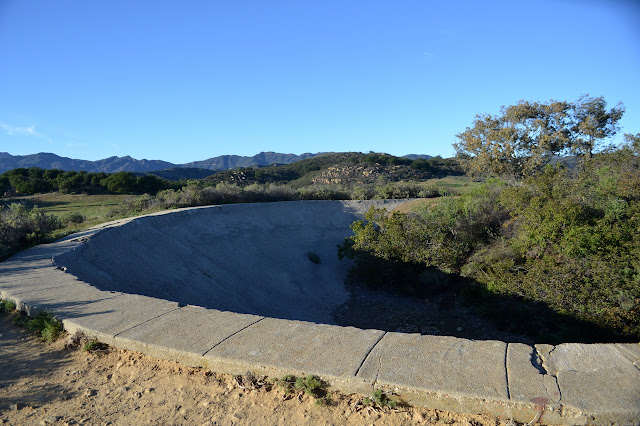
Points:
[49,384]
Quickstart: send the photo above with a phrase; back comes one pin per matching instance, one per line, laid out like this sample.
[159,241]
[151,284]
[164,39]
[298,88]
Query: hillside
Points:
[344,168]
[225,162]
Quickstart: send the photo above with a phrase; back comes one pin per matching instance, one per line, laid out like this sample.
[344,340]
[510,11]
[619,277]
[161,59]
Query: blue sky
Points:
[190,80]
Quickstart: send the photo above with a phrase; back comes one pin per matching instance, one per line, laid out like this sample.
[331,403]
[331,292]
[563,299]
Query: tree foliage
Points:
[525,137]
[35,180]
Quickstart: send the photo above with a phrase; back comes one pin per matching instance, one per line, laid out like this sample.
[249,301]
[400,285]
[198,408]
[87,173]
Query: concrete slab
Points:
[440,371]
[534,392]
[68,296]
[38,279]
[106,318]
[596,378]
[294,347]
[185,334]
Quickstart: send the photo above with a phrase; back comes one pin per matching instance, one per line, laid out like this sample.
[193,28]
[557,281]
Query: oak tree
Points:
[525,137]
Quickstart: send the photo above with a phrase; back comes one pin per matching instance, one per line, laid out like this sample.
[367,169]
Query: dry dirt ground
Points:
[44,384]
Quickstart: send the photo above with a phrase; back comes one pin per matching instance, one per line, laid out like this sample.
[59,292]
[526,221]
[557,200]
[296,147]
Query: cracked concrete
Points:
[564,384]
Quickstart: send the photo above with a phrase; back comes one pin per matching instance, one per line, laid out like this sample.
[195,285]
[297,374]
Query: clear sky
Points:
[188,80]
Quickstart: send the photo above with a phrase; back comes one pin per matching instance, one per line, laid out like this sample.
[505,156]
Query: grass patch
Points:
[44,325]
[93,208]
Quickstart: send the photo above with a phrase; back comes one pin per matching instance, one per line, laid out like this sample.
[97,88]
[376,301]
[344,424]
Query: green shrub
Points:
[7,305]
[310,385]
[74,218]
[94,346]
[22,227]
[44,325]
[380,399]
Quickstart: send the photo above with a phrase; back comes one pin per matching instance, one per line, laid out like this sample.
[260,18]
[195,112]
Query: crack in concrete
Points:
[555,386]
[506,370]
[537,361]
[369,353]
[231,335]
[544,362]
[549,379]
[375,381]
[146,321]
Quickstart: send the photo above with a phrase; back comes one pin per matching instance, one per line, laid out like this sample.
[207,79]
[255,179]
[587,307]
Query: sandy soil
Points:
[53,384]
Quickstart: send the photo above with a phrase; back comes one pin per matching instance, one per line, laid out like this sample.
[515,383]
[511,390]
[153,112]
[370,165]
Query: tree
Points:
[524,137]
[591,124]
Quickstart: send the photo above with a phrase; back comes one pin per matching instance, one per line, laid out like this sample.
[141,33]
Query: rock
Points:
[50,419]
[90,392]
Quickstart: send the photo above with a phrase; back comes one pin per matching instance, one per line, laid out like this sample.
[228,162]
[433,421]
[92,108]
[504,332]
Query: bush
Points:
[323,192]
[74,218]
[7,305]
[22,227]
[43,325]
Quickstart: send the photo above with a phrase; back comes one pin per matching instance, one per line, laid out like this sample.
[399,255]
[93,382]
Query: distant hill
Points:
[46,160]
[342,168]
[226,162]
[181,173]
[417,156]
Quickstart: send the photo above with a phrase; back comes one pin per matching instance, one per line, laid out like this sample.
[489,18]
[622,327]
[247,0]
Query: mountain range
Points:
[46,160]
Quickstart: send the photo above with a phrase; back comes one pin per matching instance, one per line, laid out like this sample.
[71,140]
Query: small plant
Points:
[43,325]
[287,383]
[94,346]
[313,257]
[310,385]
[7,305]
[380,399]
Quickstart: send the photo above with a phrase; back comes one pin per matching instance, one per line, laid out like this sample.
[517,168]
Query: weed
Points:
[380,399]
[310,385]
[21,319]
[287,383]
[313,257]
[43,325]
[94,346]
[7,305]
